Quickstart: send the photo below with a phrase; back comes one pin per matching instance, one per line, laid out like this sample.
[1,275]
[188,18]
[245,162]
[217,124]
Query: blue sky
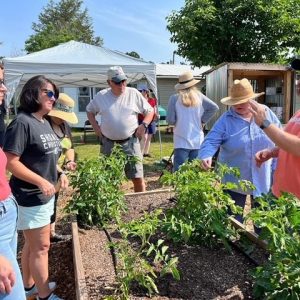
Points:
[130,25]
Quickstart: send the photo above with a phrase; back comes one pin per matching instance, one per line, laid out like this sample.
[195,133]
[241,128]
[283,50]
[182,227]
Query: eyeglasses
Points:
[119,83]
[50,94]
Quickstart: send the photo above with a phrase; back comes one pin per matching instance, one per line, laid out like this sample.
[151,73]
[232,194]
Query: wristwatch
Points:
[145,125]
[265,124]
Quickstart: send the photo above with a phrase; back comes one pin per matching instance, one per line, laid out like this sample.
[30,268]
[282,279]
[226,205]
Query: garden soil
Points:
[205,273]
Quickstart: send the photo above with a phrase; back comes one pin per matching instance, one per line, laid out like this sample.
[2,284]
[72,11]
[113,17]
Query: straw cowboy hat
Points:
[241,92]
[186,80]
[63,109]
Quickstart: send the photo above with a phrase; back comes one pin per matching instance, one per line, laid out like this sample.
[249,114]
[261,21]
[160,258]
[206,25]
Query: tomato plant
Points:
[201,211]
[139,262]
[279,220]
[96,197]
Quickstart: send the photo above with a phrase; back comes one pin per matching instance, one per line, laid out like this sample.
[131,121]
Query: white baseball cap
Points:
[116,74]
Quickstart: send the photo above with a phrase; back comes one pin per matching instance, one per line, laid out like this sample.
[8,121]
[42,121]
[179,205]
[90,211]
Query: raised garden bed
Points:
[205,273]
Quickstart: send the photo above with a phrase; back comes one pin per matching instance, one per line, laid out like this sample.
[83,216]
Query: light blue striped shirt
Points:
[188,132]
[239,140]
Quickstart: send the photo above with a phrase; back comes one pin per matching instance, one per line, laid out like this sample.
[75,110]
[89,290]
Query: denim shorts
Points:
[35,216]
[151,128]
[131,148]
[8,245]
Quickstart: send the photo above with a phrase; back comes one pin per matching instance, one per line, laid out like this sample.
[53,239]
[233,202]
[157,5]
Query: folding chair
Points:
[168,164]
[87,128]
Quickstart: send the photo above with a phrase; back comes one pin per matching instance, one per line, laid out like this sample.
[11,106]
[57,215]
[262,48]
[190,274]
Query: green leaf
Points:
[151,248]
[164,249]
[159,242]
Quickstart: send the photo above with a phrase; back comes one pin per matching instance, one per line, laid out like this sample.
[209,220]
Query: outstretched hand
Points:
[265,154]
[71,165]
[262,156]
[206,163]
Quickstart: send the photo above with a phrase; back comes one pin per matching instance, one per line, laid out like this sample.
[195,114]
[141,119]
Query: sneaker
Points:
[60,237]
[52,297]
[34,291]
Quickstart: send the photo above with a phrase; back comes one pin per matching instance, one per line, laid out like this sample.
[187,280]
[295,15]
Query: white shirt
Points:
[119,113]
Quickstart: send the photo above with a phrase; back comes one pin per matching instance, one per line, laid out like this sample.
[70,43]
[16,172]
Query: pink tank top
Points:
[4,186]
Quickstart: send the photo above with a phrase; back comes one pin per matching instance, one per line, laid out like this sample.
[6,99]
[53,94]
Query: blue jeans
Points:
[8,245]
[240,200]
[181,155]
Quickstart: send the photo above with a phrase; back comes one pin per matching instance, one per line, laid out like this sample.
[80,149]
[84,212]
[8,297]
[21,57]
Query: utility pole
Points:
[173,61]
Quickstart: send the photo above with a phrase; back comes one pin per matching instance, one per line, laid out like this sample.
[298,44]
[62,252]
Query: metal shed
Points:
[273,79]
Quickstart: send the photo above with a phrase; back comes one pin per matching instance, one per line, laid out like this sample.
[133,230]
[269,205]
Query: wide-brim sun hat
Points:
[186,80]
[240,92]
[63,109]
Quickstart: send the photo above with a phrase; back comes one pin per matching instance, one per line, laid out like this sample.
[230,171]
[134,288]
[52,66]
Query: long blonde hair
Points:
[190,97]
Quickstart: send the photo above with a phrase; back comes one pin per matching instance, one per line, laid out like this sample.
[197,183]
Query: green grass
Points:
[91,148]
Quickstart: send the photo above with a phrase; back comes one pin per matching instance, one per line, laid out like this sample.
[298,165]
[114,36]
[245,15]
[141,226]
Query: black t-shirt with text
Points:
[2,117]
[38,148]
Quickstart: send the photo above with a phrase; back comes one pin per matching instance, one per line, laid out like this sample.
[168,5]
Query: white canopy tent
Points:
[74,64]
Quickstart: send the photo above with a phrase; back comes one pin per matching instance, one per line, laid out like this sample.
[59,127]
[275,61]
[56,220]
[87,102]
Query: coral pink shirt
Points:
[4,186]
[287,174]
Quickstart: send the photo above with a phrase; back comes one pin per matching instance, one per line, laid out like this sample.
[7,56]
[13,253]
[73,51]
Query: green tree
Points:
[209,32]
[133,54]
[59,23]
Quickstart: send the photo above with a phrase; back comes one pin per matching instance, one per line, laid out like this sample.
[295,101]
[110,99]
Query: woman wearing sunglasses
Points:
[32,151]
[11,286]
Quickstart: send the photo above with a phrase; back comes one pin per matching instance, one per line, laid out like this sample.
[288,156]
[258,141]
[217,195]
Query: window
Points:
[84,97]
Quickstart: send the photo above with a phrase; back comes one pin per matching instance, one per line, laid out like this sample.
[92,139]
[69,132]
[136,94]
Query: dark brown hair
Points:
[29,97]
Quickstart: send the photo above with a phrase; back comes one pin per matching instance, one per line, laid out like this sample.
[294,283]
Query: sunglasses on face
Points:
[50,94]
[119,83]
